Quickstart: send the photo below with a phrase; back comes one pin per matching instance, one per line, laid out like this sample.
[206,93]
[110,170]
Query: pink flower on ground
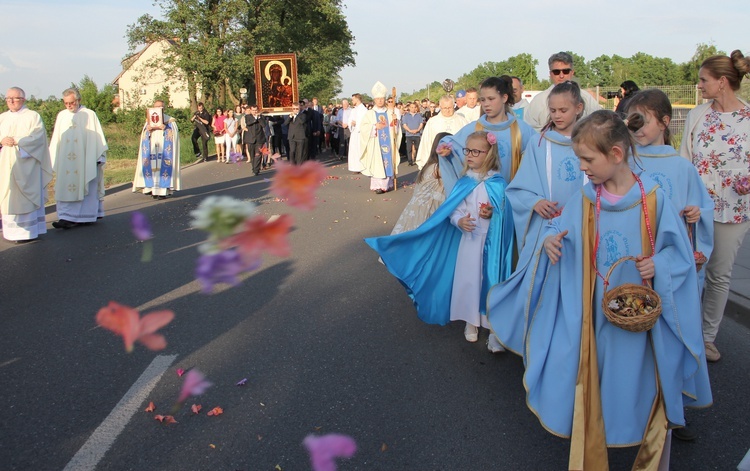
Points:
[298,183]
[325,449]
[195,384]
[260,235]
[127,323]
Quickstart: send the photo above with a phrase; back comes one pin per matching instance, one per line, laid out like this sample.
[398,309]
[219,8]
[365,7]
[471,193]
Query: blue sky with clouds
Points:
[49,44]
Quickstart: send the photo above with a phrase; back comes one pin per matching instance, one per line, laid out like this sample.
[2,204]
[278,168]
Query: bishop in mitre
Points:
[158,169]
[78,150]
[380,137]
[25,169]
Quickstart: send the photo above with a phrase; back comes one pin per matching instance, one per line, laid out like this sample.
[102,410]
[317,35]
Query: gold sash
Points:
[588,445]
[516,145]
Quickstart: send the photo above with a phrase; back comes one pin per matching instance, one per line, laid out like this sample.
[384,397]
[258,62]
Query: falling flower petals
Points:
[195,384]
[126,322]
[298,183]
[151,407]
[325,449]
[223,267]
[215,411]
[260,235]
[196,408]
[140,226]
[165,419]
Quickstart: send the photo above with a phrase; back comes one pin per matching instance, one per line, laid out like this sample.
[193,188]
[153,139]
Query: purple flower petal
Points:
[223,267]
[140,226]
[242,382]
[325,449]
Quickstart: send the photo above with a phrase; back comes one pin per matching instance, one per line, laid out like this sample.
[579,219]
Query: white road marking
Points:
[105,435]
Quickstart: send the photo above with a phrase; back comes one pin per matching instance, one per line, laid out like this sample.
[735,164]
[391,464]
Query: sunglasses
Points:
[561,71]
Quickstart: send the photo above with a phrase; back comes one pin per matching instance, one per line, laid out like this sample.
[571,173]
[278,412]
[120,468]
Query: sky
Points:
[49,44]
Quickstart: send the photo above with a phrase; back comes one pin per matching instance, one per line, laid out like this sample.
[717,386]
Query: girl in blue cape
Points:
[649,115]
[448,264]
[586,378]
[547,178]
[496,99]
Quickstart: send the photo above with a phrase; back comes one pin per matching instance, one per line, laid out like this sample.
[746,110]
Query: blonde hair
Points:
[601,131]
[491,162]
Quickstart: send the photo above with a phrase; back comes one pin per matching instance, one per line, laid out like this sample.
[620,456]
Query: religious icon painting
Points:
[276,82]
[155,116]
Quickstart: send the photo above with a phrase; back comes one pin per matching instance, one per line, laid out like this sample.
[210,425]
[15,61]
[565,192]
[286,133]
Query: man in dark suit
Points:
[253,137]
[202,122]
[297,134]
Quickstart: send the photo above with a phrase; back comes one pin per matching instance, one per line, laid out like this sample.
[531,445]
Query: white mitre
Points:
[379,90]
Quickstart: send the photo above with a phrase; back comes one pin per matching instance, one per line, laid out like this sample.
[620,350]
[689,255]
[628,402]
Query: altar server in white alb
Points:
[78,150]
[157,172]
[355,119]
[446,121]
[25,169]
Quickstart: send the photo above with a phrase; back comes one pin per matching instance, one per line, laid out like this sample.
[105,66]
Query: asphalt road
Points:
[328,341]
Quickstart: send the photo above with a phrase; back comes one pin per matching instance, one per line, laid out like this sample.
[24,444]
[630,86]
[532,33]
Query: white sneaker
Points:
[471,332]
[493,344]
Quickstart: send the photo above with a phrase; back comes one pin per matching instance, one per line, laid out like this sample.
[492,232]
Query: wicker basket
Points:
[638,322]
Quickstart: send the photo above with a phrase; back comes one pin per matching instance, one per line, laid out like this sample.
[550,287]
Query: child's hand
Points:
[691,213]
[443,150]
[645,266]
[546,209]
[466,223]
[553,246]
[485,211]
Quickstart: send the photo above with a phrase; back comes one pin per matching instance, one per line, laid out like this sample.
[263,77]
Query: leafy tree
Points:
[100,101]
[215,42]
[702,52]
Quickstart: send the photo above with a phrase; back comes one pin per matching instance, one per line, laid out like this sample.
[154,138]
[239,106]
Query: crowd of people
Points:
[523,219]
[518,212]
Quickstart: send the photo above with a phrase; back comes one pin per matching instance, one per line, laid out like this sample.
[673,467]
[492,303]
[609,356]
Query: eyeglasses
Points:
[474,152]
[390,101]
[561,71]
[14,99]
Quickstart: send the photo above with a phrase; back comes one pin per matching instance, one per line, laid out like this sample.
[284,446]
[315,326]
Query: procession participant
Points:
[355,117]
[296,123]
[253,137]
[202,123]
[342,124]
[446,121]
[513,135]
[471,110]
[25,169]
[78,150]
[520,102]
[560,70]
[412,125]
[380,136]
[158,170]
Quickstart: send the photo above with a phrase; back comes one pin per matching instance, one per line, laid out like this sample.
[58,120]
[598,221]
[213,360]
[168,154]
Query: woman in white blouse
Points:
[717,141]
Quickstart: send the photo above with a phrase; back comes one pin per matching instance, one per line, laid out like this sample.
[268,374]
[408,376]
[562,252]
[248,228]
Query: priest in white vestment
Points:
[471,110]
[355,118]
[158,169]
[560,70]
[445,121]
[380,138]
[78,150]
[25,169]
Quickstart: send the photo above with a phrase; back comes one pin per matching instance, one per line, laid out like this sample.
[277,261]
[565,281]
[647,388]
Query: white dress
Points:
[428,196]
[467,280]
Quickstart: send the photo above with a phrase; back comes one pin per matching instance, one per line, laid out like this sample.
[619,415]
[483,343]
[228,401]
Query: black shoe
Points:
[379,191]
[686,433]
[64,224]
[24,241]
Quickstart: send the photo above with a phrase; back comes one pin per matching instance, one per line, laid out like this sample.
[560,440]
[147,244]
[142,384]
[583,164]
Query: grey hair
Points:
[19,90]
[446,99]
[561,56]
[72,91]
[519,80]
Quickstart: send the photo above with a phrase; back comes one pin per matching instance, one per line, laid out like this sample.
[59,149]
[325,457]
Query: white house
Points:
[144,75]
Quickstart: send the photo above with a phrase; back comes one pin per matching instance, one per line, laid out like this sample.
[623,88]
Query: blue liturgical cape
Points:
[424,259]
[680,181]
[551,322]
[451,167]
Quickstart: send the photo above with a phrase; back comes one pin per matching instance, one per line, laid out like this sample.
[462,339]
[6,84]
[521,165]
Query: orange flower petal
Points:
[215,411]
[168,419]
[153,342]
[196,408]
[151,407]
[260,235]
[122,320]
[298,183]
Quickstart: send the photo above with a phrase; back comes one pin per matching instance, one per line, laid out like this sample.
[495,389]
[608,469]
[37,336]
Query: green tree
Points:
[100,101]
[702,52]
[215,42]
